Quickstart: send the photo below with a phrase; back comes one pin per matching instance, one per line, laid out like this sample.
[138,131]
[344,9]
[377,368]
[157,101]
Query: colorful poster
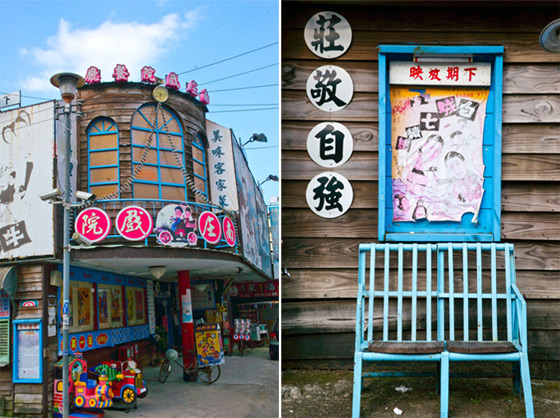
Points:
[130,305]
[116,305]
[84,306]
[139,305]
[176,225]
[103,307]
[209,345]
[437,163]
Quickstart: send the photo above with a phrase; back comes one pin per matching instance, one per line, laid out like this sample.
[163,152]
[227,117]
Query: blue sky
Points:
[42,38]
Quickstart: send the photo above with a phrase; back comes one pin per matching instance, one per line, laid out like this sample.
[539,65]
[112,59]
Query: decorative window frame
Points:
[159,130]
[106,130]
[198,143]
[487,229]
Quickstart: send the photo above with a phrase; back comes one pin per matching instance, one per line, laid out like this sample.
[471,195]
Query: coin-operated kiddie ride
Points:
[127,382]
[115,384]
[83,391]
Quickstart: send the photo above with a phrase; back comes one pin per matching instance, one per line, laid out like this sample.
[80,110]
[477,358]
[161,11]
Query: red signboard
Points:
[209,227]
[229,231]
[134,223]
[255,290]
[93,223]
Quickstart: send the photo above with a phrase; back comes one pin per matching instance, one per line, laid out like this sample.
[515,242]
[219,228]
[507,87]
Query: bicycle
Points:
[206,374]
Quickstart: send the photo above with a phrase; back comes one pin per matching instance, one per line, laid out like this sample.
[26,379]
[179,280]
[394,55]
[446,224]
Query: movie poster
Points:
[130,305]
[84,306]
[437,162]
[103,308]
[116,306]
[139,305]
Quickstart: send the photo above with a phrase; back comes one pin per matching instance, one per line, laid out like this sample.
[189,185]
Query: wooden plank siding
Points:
[321,255]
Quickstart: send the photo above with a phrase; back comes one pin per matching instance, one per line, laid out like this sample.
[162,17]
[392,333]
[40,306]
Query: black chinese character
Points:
[13,236]
[331,144]
[222,200]
[325,89]
[218,152]
[331,37]
[217,137]
[219,168]
[221,185]
[327,191]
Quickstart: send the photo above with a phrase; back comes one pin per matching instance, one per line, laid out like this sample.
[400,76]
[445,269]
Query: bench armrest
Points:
[520,319]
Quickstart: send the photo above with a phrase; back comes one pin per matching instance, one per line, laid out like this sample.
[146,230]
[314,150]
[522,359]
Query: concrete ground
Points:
[329,394]
[248,387]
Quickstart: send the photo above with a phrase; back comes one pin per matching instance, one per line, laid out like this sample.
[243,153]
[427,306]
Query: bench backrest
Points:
[427,292]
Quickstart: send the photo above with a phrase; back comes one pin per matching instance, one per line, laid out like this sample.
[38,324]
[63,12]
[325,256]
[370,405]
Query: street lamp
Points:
[270,177]
[257,138]
[68,84]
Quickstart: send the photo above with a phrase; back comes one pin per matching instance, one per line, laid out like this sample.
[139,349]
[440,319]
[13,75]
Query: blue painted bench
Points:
[415,305]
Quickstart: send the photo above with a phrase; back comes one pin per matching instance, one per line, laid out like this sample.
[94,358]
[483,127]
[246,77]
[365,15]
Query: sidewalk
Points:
[329,394]
[247,388]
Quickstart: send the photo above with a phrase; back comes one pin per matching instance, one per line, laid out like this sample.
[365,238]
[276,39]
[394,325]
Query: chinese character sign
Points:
[221,168]
[134,223]
[120,73]
[438,74]
[209,227]
[328,35]
[93,75]
[329,194]
[330,144]
[437,163]
[228,231]
[330,88]
[93,223]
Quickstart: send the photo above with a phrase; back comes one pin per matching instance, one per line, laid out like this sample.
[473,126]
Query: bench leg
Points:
[357,393]
[444,385]
[516,379]
[526,379]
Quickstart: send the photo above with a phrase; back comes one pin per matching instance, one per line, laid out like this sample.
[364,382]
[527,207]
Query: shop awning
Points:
[8,280]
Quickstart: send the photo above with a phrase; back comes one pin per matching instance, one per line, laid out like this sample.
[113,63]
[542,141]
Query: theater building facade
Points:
[177,219]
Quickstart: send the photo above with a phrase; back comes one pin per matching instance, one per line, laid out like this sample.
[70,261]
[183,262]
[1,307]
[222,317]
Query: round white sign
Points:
[330,88]
[328,35]
[330,144]
[329,194]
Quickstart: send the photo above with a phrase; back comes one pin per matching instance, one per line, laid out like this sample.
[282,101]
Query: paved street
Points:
[248,387]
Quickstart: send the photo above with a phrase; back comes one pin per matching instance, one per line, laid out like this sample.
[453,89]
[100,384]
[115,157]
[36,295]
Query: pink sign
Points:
[209,227]
[192,88]
[93,75]
[134,223]
[148,75]
[93,223]
[204,97]
[172,81]
[120,73]
[229,231]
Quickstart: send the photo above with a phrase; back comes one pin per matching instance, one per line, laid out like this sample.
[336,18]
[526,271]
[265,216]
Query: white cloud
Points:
[131,43]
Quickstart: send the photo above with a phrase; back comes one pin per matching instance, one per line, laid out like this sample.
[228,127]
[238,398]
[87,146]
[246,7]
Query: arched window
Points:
[161,176]
[103,157]
[199,166]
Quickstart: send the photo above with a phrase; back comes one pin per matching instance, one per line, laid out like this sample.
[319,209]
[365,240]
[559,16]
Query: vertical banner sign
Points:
[328,35]
[151,306]
[330,144]
[437,131]
[253,215]
[330,88]
[26,171]
[221,168]
[329,194]
[274,212]
[186,308]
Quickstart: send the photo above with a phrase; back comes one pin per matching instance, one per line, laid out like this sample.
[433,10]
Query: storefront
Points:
[151,253]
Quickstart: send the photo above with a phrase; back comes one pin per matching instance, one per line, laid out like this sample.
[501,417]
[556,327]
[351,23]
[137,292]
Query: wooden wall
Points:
[318,311]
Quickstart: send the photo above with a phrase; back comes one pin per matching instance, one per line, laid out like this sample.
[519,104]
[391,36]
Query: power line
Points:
[237,75]
[244,110]
[228,59]
[270,146]
[244,88]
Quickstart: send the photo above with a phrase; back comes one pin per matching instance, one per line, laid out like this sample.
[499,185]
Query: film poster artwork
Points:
[437,163]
